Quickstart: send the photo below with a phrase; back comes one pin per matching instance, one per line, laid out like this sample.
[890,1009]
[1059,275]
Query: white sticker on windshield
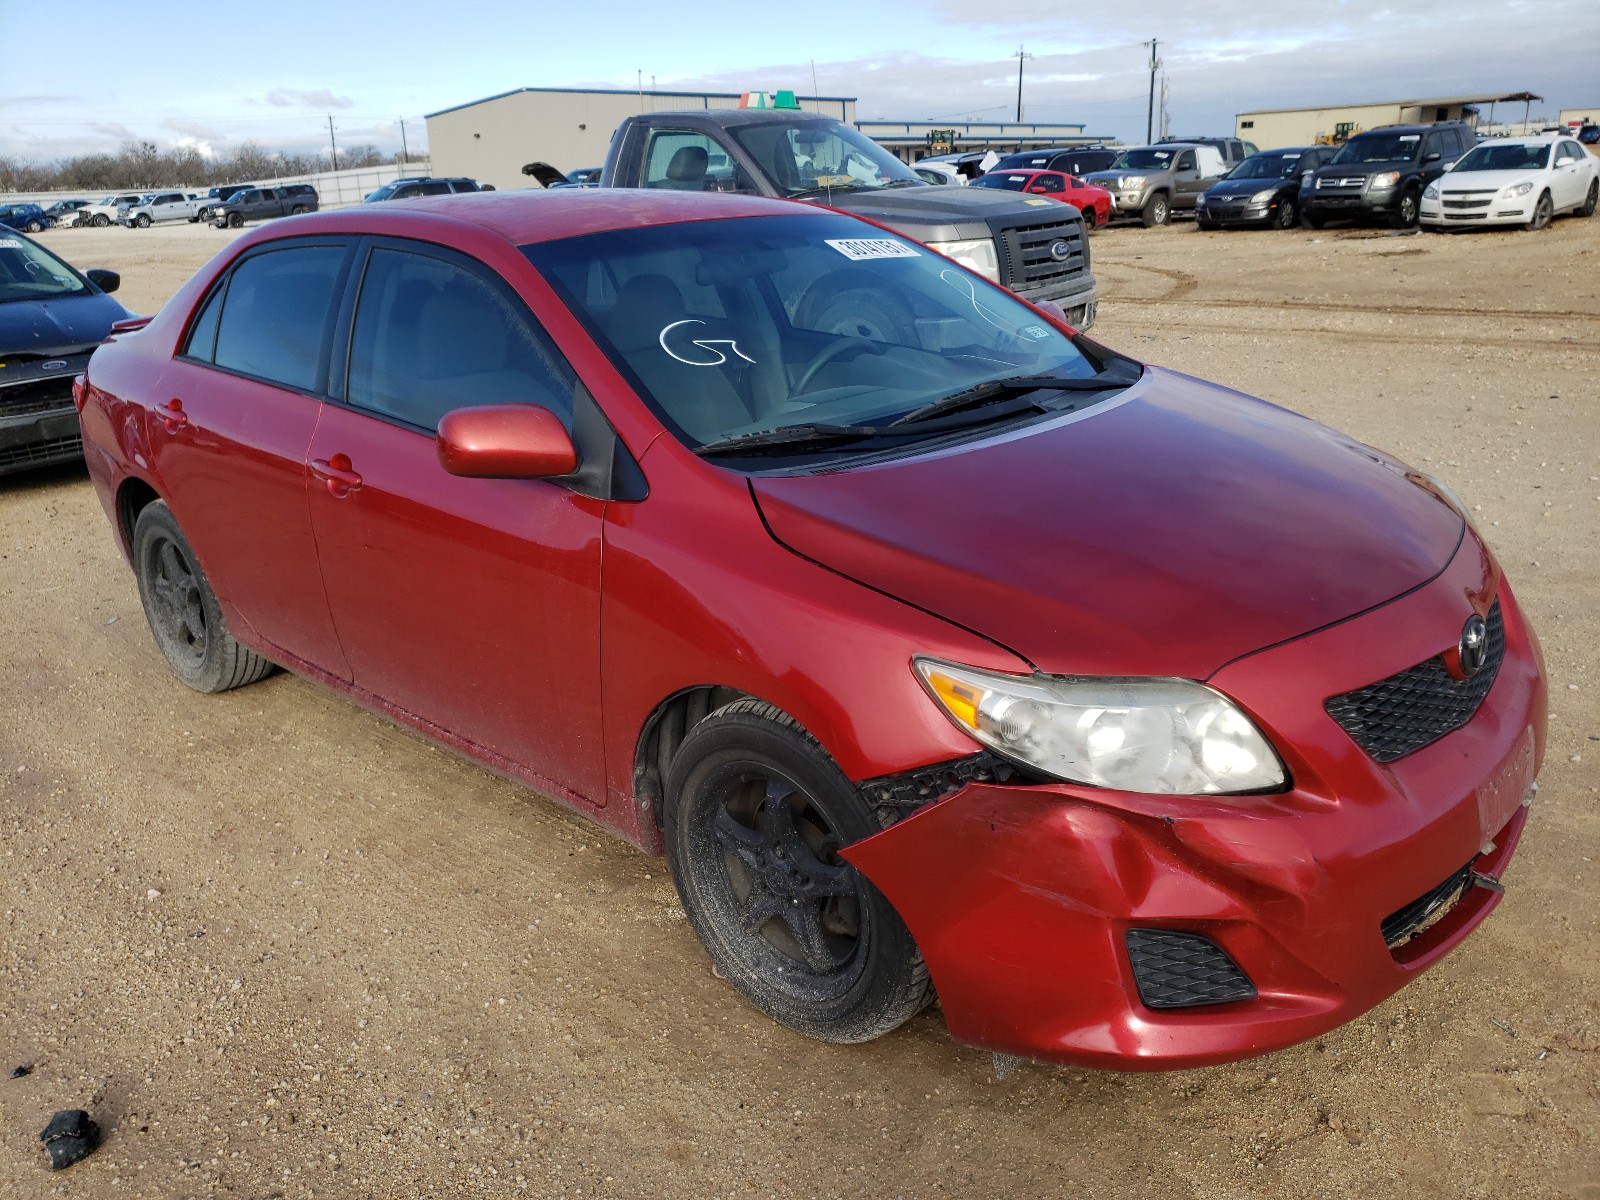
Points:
[862,249]
[1409,137]
[10,243]
[1036,332]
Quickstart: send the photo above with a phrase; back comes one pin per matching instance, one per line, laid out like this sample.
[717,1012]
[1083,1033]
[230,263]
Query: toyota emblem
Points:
[1474,645]
[1060,251]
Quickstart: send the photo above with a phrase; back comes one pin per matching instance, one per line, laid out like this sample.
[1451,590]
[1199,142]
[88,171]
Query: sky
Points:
[274,73]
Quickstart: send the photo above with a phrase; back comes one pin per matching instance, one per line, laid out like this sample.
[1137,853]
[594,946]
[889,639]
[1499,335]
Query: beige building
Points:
[568,128]
[1573,118]
[1271,128]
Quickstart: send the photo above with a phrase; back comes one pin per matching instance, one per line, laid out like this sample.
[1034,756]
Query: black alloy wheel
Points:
[756,815]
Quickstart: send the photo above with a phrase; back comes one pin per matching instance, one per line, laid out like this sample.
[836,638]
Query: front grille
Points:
[38,454]
[1348,181]
[1484,203]
[1405,712]
[1181,970]
[1400,926]
[1460,216]
[36,396]
[1028,264]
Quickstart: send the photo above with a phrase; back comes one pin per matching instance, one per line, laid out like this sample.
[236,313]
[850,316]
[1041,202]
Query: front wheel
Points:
[1205,226]
[756,815]
[33,227]
[101,220]
[235,220]
[142,220]
[1405,213]
[1543,212]
[182,610]
[1313,222]
[1156,211]
[1288,214]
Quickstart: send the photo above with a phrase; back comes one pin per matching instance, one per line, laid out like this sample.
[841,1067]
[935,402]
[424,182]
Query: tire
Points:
[100,220]
[1089,219]
[235,220]
[839,305]
[1287,215]
[1544,210]
[1313,222]
[1588,206]
[142,220]
[182,610]
[33,227]
[1206,226]
[297,210]
[1405,213]
[756,811]
[1156,211]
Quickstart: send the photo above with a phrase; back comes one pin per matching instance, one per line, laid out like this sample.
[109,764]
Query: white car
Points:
[103,212]
[1514,181]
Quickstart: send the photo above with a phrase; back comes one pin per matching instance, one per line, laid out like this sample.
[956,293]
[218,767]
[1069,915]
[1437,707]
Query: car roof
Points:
[1532,139]
[529,215]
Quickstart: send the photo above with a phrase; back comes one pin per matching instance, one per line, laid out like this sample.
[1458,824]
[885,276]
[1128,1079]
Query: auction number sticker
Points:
[862,249]
[10,244]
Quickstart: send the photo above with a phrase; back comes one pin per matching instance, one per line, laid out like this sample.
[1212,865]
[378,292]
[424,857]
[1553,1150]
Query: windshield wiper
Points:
[792,437]
[1000,389]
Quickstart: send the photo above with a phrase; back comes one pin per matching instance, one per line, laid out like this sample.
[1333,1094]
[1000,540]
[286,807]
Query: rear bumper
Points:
[1021,898]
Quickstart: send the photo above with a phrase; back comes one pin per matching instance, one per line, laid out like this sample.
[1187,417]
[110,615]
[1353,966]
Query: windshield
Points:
[1515,157]
[1379,148]
[815,156]
[1274,164]
[1143,158]
[742,327]
[30,272]
[1010,182]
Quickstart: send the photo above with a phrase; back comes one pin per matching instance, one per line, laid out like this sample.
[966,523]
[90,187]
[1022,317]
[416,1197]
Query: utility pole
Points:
[332,145]
[1150,110]
[1021,55]
[405,153]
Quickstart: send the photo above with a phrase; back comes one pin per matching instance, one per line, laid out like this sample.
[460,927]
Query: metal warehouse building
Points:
[568,128]
[1302,126]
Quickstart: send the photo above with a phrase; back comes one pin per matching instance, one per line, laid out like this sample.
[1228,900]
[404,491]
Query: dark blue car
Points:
[24,216]
[51,320]
[1262,190]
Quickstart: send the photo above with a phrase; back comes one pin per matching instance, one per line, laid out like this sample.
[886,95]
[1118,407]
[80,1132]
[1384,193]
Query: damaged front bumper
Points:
[1140,932]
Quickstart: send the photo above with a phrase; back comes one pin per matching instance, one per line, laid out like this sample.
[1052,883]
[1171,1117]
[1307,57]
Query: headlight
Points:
[1519,189]
[1386,180]
[977,255]
[1264,197]
[1130,183]
[1163,736]
[1432,193]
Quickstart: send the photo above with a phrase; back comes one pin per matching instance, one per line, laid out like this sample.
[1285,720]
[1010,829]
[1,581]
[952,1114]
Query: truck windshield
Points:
[788,329]
[819,156]
[1143,158]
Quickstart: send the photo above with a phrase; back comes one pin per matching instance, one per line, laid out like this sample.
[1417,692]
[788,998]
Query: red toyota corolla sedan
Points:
[939,648]
[1093,202]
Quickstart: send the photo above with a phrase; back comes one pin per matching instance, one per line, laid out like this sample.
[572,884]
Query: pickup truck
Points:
[1153,182]
[103,212]
[263,203]
[161,206]
[1034,246]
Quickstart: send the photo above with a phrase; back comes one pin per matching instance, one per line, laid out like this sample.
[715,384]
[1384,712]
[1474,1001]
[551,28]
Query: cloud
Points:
[112,129]
[193,131]
[203,148]
[321,98]
[30,100]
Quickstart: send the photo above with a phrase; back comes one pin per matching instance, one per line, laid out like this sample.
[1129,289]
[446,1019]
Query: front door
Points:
[473,604]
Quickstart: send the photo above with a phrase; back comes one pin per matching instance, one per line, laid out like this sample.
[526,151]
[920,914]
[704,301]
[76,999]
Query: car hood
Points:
[1109,177]
[1484,181]
[1246,187]
[931,203]
[66,325]
[1166,532]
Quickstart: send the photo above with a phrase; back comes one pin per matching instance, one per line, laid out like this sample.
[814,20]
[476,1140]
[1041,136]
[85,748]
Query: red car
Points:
[1148,724]
[1093,202]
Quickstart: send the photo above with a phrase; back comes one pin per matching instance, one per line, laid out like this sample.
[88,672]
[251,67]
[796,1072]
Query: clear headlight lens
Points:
[1432,193]
[1263,196]
[1162,736]
[1130,183]
[1385,180]
[976,255]
[1519,189]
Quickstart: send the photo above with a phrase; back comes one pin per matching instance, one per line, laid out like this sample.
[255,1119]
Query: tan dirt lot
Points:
[280,948]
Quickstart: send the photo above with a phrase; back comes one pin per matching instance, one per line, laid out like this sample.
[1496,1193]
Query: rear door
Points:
[229,434]
[473,604]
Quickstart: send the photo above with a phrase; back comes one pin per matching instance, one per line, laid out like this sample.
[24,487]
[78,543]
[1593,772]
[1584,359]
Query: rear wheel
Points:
[298,209]
[1089,219]
[1588,206]
[182,610]
[1156,211]
[1543,212]
[756,815]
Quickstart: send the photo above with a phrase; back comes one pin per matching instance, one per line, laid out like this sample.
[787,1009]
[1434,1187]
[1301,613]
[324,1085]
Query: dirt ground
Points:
[280,948]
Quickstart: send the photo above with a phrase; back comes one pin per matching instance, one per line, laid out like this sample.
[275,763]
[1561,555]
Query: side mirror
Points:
[505,441]
[106,281]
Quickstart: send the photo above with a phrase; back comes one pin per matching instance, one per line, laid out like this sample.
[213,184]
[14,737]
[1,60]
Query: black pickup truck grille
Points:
[1036,256]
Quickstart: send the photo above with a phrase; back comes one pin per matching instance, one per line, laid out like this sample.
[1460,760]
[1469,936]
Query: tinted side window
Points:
[431,336]
[1185,161]
[202,340]
[678,159]
[436,188]
[276,312]
[1046,183]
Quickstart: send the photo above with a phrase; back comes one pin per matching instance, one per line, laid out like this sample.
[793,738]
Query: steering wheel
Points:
[845,345]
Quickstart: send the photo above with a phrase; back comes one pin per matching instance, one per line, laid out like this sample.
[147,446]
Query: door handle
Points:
[172,415]
[338,473]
